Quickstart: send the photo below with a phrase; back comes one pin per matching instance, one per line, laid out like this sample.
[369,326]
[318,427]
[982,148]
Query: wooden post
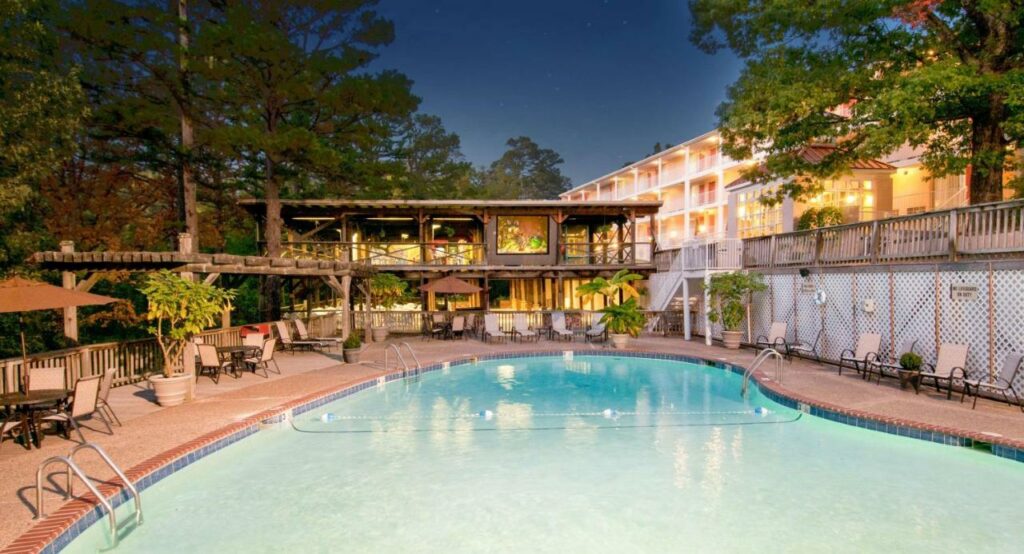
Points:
[185,248]
[346,306]
[68,281]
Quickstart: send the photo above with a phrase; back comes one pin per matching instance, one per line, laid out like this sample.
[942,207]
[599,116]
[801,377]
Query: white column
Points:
[707,307]
[660,182]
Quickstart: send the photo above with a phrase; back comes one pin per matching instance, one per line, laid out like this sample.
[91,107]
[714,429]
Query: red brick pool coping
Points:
[44,533]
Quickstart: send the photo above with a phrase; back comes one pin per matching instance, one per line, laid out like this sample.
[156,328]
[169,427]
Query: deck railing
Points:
[388,253]
[988,231]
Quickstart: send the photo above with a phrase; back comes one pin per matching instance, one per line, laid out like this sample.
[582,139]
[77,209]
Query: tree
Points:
[945,75]
[524,171]
[816,218]
[432,160]
[292,104]
[41,103]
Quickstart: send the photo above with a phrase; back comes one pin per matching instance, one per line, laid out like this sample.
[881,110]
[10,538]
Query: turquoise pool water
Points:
[597,454]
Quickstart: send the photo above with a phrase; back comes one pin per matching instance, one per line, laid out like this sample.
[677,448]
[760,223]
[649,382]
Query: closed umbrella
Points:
[24,295]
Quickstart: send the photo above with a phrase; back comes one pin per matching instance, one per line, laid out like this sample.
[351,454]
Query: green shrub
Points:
[911,361]
[623,319]
[352,342]
[729,293]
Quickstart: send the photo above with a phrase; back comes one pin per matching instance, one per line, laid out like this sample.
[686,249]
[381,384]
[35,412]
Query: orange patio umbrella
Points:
[25,295]
[450,285]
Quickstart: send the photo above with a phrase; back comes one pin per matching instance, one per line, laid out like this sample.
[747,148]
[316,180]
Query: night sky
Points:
[599,81]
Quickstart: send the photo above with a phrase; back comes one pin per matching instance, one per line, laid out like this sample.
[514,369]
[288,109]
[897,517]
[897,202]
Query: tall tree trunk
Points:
[187,214]
[272,234]
[988,152]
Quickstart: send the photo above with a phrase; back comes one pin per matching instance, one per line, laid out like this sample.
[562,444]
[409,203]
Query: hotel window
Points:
[754,218]
[854,197]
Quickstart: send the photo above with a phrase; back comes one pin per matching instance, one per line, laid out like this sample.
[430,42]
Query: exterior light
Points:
[742,211]
[867,185]
[673,234]
[869,200]
[851,199]
[702,228]
[405,236]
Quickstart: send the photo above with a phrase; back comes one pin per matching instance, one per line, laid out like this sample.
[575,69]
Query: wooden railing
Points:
[715,254]
[388,253]
[597,253]
[988,231]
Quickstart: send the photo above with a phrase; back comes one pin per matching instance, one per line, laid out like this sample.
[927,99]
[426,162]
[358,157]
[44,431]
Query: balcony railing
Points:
[990,231]
[389,253]
[603,253]
[702,198]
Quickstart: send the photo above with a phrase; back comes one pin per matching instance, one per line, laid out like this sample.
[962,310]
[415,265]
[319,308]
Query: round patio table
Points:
[29,404]
[238,354]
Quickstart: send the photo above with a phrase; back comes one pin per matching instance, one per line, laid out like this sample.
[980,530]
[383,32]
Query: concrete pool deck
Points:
[150,430]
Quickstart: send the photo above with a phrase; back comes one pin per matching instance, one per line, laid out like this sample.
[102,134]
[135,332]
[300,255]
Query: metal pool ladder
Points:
[398,354]
[761,358]
[72,468]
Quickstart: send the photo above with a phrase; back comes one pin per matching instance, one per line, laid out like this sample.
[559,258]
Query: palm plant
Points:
[620,282]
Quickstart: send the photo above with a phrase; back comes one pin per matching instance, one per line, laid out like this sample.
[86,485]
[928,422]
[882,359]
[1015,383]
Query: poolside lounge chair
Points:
[102,406]
[952,359]
[864,353]
[83,404]
[596,332]
[458,328]
[776,338]
[1002,384]
[492,330]
[286,339]
[806,349]
[265,358]
[891,362]
[521,328]
[558,328]
[325,342]
[210,362]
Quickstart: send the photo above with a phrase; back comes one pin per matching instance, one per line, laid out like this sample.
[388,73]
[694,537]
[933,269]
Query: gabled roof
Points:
[815,154]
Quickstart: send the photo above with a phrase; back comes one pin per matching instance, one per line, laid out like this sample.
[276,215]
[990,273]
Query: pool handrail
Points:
[762,357]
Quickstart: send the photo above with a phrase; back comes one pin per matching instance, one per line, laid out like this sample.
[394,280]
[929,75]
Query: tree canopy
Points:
[524,171]
[944,75]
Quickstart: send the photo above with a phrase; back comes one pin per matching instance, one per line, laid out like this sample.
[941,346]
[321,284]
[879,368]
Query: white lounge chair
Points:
[558,327]
[596,332]
[83,404]
[776,338]
[102,406]
[326,342]
[210,361]
[287,342]
[952,359]
[1003,383]
[521,328]
[864,353]
[265,358]
[492,330]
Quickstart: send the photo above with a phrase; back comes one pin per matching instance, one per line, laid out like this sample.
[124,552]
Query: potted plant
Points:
[729,293]
[387,290]
[623,321]
[352,348]
[911,361]
[620,320]
[179,309]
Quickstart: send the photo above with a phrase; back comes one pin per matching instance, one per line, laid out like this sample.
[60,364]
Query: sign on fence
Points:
[963,292]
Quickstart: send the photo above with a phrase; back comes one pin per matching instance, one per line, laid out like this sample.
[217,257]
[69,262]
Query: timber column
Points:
[185,248]
[68,281]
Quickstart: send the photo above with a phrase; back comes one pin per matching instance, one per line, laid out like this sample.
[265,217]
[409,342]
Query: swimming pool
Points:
[597,454]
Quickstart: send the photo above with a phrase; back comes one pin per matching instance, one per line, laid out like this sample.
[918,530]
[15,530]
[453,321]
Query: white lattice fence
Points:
[914,310]
[874,287]
[1008,318]
[839,321]
[965,321]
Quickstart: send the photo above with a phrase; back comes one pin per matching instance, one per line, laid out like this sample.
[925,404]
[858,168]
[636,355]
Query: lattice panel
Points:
[966,321]
[871,286]
[761,310]
[807,316]
[1009,318]
[914,316]
[839,322]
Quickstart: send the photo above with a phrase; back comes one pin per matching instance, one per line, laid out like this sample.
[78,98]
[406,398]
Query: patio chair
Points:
[458,327]
[892,361]
[438,327]
[46,378]
[285,335]
[952,359]
[209,361]
[83,405]
[492,330]
[558,328]
[776,338]
[253,339]
[596,332]
[471,325]
[865,352]
[265,358]
[103,407]
[805,349]
[521,328]
[8,423]
[1002,384]
[325,342]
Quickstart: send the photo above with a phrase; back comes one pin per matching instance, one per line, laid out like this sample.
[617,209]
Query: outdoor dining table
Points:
[238,355]
[28,405]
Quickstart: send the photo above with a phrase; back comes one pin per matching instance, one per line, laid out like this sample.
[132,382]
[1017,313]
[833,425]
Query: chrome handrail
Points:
[72,467]
[762,357]
[398,353]
[117,471]
[411,352]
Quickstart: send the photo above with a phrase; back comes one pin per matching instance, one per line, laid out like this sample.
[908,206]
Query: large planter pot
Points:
[731,339]
[619,341]
[352,355]
[171,391]
[379,334]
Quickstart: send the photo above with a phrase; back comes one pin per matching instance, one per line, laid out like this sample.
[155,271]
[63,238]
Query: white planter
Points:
[731,339]
[171,391]
[619,341]
[379,334]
